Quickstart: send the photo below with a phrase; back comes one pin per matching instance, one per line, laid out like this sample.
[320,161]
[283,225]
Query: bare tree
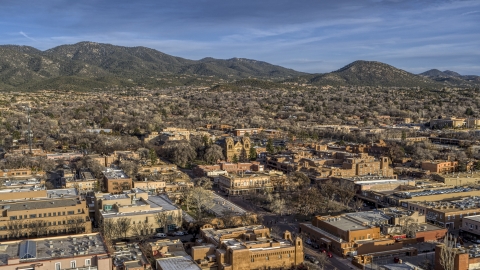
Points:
[15,228]
[141,230]
[228,218]
[123,226]
[201,199]
[75,224]
[204,182]
[448,252]
[37,228]
[213,154]
[108,228]
[162,219]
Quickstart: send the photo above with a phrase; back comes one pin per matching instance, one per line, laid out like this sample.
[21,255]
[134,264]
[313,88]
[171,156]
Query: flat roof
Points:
[62,247]
[344,224]
[40,204]
[115,174]
[178,263]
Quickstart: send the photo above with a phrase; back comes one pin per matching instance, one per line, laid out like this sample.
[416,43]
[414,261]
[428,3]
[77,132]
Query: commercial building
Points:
[245,183]
[82,252]
[35,212]
[147,214]
[250,247]
[348,235]
[458,178]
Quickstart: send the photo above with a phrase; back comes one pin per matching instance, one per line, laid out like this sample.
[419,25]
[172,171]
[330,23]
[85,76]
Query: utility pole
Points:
[29,130]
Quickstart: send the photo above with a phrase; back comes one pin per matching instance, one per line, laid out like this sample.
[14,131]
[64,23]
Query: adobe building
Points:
[447,213]
[245,183]
[250,247]
[140,208]
[463,258]
[115,181]
[440,166]
[351,234]
[458,178]
[85,251]
[37,212]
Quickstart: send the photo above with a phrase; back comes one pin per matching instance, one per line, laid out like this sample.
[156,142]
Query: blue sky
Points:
[310,36]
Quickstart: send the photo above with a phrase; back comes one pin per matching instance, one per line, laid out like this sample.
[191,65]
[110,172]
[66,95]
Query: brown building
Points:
[349,234]
[249,247]
[82,252]
[446,213]
[440,166]
[463,258]
[116,181]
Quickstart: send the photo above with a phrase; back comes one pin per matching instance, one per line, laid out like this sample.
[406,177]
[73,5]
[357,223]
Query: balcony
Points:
[82,268]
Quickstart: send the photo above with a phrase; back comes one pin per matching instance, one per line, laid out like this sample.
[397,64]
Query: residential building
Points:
[84,181]
[82,252]
[156,213]
[250,247]
[440,166]
[116,181]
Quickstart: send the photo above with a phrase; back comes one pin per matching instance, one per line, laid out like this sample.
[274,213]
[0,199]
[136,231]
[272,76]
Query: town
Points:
[189,178]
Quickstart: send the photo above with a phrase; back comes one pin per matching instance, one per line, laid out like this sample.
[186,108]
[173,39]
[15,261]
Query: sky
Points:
[313,36]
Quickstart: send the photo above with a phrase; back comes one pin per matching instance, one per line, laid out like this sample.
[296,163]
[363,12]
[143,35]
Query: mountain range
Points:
[89,65]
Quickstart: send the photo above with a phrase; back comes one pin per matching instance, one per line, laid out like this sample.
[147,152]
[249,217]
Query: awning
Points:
[326,240]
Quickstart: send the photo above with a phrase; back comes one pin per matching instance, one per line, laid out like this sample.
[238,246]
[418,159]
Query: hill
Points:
[451,77]
[371,73]
[87,64]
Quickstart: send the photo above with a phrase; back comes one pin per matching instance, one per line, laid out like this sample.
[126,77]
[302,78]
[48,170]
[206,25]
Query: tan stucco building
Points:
[250,247]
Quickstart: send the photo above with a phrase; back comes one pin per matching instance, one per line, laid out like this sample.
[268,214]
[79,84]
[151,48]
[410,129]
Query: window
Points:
[58,266]
[54,214]
[39,215]
[266,258]
[49,214]
[13,217]
[87,262]
[63,213]
[252,260]
[33,215]
[71,212]
[73,264]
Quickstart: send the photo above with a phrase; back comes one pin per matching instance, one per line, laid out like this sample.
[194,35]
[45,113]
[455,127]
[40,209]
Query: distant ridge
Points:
[89,65]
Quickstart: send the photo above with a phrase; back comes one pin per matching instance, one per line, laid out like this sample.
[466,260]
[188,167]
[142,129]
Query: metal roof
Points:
[28,250]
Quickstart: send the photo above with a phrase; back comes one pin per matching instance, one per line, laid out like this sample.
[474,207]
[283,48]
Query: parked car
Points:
[179,233]
[160,235]
[329,254]
[308,242]
[311,259]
